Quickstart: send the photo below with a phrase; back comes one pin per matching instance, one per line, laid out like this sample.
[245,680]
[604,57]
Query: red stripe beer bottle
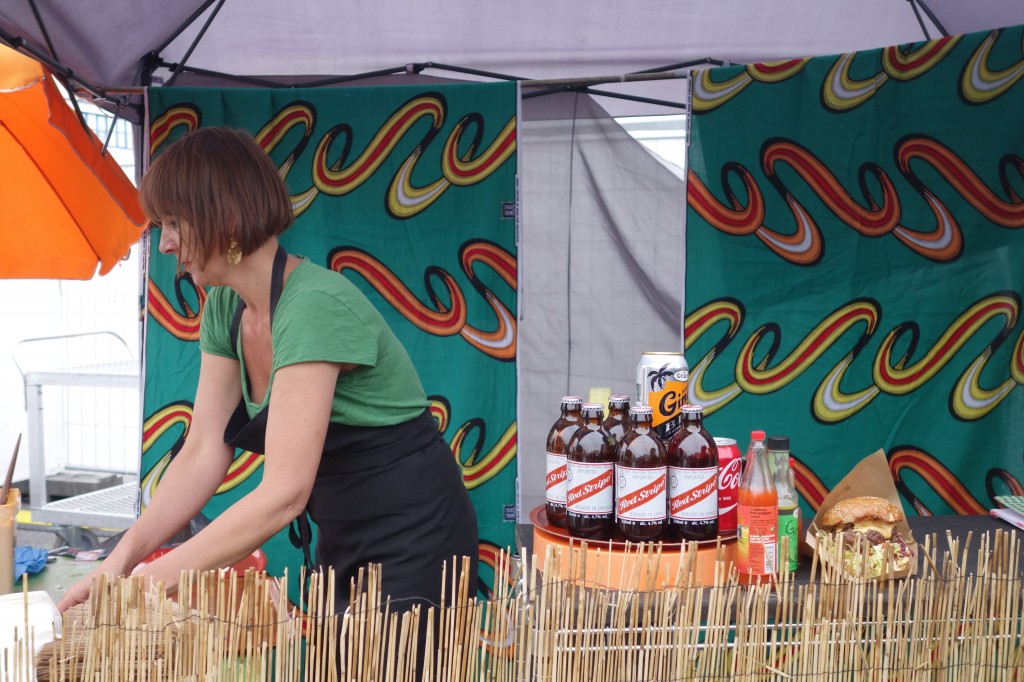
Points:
[557,446]
[640,476]
[617,422]
[693,480]
[590,494]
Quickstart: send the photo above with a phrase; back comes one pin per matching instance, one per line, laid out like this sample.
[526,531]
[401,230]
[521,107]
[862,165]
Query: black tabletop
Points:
[968,531]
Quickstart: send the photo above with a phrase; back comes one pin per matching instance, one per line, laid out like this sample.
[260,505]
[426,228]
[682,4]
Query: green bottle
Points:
[789,501]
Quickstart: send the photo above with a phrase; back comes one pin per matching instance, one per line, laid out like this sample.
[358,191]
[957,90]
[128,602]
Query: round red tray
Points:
[539,518]
[619,565]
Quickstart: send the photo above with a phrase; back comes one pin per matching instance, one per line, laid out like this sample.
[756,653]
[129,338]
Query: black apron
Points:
[392,495]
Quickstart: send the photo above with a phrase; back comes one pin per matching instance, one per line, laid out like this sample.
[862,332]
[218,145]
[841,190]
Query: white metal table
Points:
[109,508]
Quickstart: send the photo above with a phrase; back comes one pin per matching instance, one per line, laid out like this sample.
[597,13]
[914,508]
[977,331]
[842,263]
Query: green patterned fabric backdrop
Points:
[855,263]
[410,193]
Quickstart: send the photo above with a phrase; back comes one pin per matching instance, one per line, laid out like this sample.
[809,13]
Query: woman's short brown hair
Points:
[220,182]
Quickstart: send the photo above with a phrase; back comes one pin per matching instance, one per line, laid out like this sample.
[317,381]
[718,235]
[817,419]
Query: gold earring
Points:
[234,254]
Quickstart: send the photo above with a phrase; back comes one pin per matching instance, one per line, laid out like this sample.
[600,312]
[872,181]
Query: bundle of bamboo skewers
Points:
[955,621]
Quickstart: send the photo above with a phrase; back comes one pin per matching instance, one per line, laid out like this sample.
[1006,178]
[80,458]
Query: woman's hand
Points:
[79,592]
[76,594]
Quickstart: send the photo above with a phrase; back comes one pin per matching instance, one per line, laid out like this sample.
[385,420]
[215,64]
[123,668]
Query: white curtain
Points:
[601,265]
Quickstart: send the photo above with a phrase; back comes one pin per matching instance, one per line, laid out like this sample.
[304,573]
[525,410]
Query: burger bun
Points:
[857,510]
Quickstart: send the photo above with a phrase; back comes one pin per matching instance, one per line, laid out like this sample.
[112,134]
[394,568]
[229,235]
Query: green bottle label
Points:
[789,527]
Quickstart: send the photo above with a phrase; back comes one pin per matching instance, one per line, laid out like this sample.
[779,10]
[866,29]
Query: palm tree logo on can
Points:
[662,380]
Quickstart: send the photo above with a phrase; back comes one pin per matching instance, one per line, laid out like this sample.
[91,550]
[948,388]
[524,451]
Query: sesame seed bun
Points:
[856,509]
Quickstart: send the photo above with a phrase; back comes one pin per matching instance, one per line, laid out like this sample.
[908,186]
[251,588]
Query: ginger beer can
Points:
[661,382]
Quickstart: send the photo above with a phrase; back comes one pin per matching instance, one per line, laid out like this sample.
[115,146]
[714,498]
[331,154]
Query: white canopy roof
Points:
[107,45]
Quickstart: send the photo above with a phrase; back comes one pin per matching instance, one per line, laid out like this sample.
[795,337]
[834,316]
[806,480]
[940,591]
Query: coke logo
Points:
[729,476]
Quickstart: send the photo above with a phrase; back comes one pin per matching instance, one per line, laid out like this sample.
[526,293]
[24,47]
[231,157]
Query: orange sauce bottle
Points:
[757,515]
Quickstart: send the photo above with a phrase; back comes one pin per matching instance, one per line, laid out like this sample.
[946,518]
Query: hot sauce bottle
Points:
[757,517]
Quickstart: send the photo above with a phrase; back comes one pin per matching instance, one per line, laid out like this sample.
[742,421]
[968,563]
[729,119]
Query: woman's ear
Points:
[232,217]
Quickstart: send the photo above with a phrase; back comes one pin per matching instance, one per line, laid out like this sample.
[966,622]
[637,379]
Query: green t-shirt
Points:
[323,317]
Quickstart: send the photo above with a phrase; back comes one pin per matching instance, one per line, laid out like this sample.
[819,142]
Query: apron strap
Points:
[236,322]
[276,286]
[300,532]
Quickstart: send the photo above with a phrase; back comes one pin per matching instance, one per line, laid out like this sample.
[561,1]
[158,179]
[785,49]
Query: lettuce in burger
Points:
[866,528]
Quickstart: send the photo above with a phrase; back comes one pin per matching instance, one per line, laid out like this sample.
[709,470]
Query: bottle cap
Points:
[693,409]
[640,411]
[778,442]
[757,435]
[593,409]
[619,401]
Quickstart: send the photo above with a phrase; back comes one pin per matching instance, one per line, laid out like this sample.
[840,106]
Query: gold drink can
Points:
[662,379]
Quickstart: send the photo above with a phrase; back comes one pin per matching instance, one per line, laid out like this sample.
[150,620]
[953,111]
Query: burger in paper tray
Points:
[860,528]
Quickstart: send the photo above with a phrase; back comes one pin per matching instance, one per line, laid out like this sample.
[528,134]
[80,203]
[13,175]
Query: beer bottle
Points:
[617,422]
[557,447]
[757,515]
[789,503]
[693,480]
[640,475]
[590,494]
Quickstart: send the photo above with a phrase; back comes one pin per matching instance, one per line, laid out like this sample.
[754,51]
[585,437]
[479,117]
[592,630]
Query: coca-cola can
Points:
[730,470]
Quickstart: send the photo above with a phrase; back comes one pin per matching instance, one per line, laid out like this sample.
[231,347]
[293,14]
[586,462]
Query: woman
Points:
[296,364]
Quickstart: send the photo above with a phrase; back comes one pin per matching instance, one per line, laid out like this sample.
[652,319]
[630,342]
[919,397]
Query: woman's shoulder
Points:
[220,300]
[218,312]
[310,277]
[318,303]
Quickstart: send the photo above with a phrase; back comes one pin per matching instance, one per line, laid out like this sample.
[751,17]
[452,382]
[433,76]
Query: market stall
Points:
[540,626]
[848,321]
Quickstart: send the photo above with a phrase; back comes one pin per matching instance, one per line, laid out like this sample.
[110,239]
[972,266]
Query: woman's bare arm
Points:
[300,409]
[189,481]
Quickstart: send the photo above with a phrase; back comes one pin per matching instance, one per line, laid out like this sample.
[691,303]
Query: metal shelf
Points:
[112,508]
[103,361]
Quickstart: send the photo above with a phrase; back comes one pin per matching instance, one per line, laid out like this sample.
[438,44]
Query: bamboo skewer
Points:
[953,618]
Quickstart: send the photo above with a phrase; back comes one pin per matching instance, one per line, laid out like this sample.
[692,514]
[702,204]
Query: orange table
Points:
[629,566]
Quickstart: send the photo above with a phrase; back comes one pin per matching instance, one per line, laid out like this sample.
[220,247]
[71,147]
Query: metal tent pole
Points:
[931,15]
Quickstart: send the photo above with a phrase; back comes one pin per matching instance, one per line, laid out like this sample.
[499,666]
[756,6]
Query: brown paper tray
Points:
[871,477]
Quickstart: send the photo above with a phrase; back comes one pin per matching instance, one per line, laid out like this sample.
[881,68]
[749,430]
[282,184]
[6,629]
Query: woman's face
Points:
[177,238]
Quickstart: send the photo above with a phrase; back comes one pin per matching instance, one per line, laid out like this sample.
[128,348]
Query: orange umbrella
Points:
[65,206]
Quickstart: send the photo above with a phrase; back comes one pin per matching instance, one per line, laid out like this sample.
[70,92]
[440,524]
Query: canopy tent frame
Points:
[579,84]
[117,97]
[147,73]
[53,51]
[920,6]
